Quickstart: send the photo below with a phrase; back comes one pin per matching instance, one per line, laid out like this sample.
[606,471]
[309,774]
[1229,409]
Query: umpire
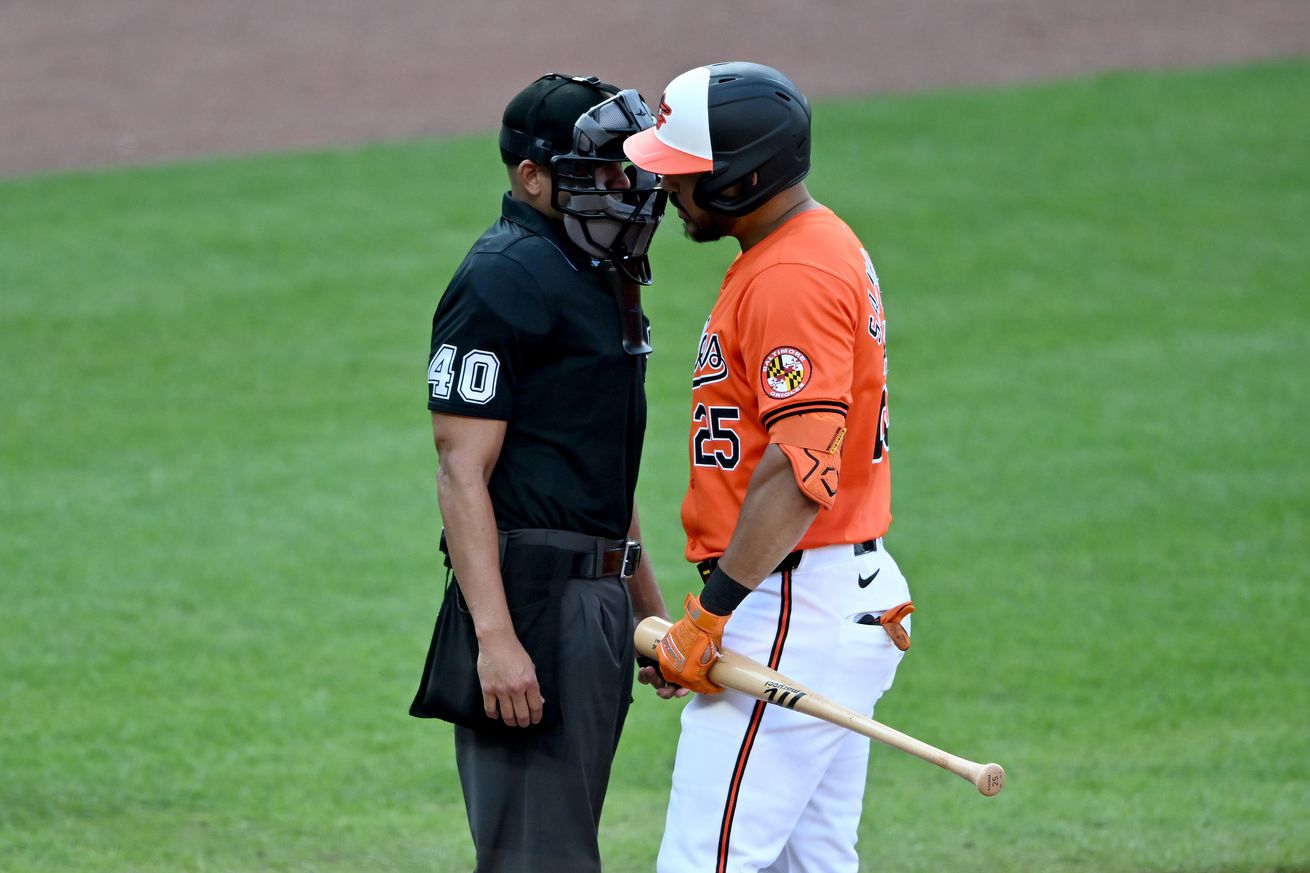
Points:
[536,388]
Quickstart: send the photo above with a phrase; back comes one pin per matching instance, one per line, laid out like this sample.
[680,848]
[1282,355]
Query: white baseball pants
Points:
[761,788]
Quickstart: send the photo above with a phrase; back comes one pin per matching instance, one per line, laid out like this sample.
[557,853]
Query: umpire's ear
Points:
[533,177]
[530,182]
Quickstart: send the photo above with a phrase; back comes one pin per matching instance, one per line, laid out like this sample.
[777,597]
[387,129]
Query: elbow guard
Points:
[812,444]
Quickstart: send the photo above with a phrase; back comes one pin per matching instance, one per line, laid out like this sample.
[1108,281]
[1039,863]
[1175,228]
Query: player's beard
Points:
[702,226]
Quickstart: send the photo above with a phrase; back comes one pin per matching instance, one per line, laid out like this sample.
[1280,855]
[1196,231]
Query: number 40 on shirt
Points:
[477,372]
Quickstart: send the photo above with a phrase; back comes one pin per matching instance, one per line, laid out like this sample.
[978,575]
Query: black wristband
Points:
[722,593]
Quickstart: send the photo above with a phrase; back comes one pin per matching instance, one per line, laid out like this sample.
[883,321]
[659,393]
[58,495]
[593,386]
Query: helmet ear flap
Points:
[722,194]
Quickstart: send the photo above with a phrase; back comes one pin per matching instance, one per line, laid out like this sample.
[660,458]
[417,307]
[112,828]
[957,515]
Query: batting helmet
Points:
[745,126]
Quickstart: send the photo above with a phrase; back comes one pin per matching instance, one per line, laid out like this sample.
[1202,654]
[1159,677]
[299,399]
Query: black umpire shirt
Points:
[528,333]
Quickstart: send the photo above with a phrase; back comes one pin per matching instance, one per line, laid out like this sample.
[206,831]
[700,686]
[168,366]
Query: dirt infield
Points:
[103,82]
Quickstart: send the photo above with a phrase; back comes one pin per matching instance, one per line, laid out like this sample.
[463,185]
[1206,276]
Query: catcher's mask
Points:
[610,224]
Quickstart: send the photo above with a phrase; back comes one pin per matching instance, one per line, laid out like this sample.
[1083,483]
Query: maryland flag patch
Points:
[785,372]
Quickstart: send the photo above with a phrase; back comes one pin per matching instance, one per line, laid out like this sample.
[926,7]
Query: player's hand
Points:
[509,681]
[648,673]
[691,647]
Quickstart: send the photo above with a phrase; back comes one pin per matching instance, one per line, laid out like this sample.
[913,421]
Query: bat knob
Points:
[991,779]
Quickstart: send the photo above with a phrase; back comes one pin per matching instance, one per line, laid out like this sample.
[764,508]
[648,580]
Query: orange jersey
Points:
[798,330]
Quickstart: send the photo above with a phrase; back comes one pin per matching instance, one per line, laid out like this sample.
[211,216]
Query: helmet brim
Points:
[648,151]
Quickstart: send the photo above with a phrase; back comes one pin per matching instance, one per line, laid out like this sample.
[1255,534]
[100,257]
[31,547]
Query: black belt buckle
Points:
[865,547]
[631,560]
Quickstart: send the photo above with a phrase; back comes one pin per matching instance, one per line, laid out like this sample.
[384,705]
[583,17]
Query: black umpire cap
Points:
[538,122]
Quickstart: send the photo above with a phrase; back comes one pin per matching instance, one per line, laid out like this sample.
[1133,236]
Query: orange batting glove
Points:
[691,647]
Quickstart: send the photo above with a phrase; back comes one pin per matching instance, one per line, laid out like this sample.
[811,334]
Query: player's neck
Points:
[753,228]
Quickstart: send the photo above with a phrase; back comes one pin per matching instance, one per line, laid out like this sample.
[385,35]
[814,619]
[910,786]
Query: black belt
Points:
[791,562]
[611,558]
[593,557]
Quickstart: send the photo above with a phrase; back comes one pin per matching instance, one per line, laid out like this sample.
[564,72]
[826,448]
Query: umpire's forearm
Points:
[467,451]
[474,546]
[647,598]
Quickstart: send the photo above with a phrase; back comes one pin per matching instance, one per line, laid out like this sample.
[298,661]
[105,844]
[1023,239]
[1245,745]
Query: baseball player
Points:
[790,486]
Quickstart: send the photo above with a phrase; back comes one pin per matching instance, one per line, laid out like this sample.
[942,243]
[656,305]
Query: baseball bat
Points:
[740,673]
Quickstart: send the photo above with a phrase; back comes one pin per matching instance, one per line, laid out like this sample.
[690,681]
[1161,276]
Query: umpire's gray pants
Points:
[534,801]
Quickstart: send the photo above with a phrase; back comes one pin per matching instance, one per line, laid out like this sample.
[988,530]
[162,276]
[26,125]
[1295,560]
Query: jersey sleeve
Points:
[489,324]
[797,341]
[797,337]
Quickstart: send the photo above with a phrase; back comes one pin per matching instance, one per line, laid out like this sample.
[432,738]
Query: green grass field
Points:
[218,563]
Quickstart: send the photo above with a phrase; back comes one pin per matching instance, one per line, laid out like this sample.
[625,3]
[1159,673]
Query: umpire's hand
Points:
[509,681]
